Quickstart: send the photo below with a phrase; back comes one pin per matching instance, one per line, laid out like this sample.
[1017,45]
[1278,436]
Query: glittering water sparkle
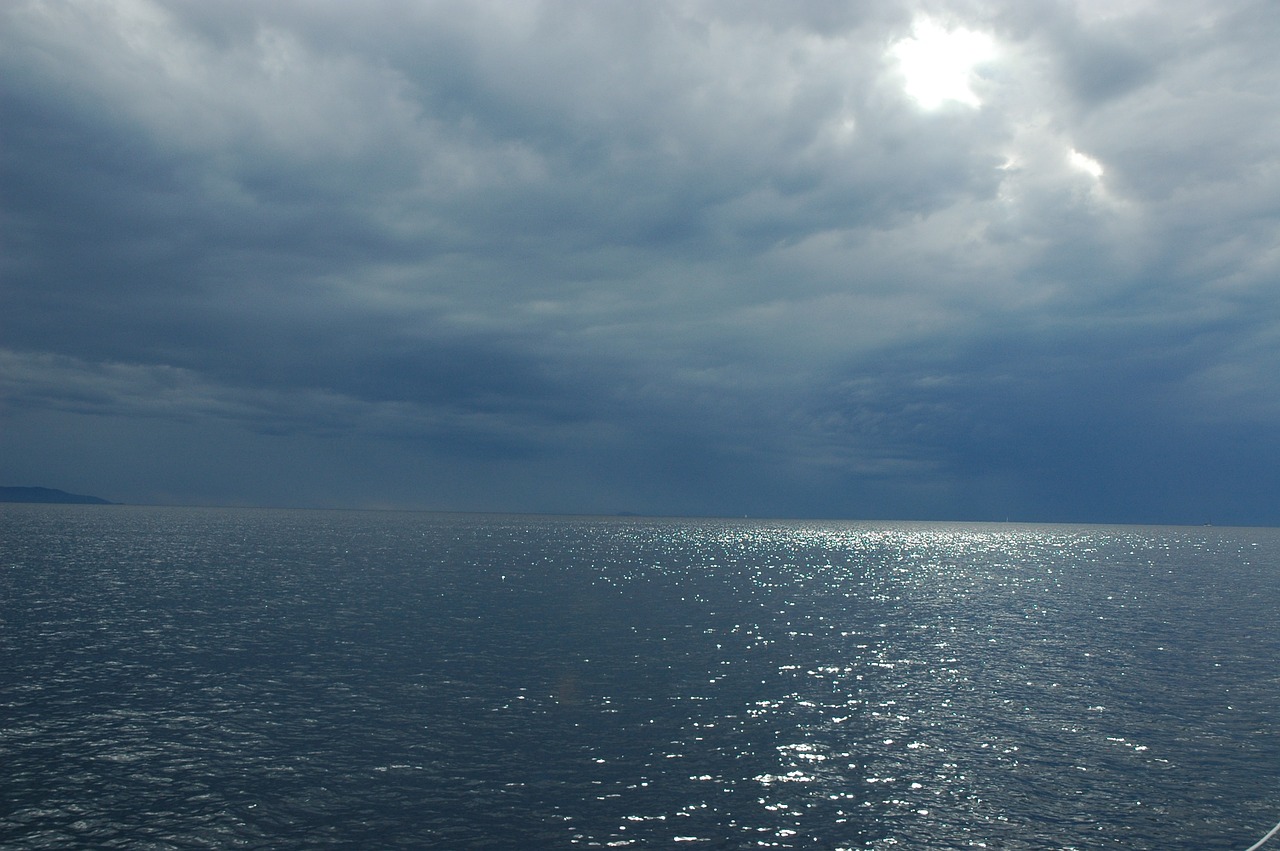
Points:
[178,678]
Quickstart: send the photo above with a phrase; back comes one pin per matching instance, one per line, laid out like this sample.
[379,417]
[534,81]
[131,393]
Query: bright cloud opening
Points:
[938,63]
[1085,163]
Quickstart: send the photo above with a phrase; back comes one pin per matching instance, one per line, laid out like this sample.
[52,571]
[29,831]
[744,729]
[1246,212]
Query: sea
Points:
[183,678]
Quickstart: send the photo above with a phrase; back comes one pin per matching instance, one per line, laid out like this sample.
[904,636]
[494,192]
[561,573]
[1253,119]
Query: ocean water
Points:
[218,678]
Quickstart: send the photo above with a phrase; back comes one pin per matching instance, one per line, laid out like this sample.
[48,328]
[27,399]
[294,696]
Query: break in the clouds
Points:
[953,260]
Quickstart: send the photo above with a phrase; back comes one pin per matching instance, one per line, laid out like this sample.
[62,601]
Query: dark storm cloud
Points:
[675,257]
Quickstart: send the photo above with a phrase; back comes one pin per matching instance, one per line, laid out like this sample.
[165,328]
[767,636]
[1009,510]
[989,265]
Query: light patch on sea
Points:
[182,678]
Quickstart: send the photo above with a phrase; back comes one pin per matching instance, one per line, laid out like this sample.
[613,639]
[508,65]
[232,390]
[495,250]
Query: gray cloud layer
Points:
[668,257]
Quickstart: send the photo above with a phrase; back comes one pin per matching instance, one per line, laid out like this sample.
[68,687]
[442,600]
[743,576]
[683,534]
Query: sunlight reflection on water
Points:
[310,679]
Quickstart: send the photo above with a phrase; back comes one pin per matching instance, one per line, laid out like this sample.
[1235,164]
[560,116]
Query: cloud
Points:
[680,257]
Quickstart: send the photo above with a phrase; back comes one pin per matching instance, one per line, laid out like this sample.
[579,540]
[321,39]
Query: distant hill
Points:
[48,495]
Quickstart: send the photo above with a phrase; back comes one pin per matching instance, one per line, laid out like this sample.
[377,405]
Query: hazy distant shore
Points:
[49,495]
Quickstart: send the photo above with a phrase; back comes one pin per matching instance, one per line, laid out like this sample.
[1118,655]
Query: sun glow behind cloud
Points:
[938,63]
[1085,163]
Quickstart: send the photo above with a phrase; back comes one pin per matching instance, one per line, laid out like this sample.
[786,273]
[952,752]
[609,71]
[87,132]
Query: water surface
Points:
[186,678]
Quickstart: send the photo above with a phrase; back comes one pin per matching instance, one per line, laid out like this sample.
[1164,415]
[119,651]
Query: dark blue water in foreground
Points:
[196,678]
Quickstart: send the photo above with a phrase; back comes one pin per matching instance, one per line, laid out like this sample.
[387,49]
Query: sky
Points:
[971,260]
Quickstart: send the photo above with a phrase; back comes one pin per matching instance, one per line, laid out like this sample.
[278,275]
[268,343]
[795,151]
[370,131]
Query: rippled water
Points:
[187,678]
